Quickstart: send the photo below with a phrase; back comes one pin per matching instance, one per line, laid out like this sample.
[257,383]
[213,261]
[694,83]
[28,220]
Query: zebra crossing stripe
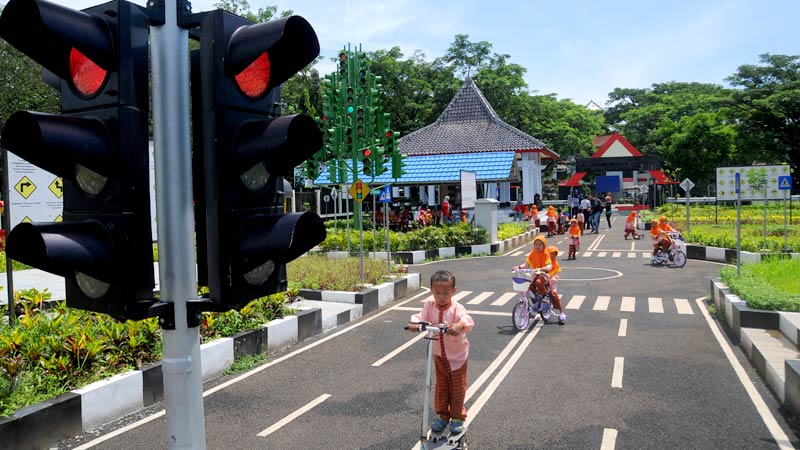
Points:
[616,254]
[655,304]
[631,255]
[601,254]
[461,295]
[504,299]
[576,301]
[601,304]
[646,254]
[480,298]
[518,253]
[628,304]
[684,307]
[587,254]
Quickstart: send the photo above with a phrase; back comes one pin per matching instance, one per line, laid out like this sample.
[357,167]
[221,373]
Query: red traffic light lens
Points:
[254,79]
[342,56]
[87,77]
[367,152]
[388,134]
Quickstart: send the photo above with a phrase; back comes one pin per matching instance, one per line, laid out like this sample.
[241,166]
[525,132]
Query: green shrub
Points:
[773,283]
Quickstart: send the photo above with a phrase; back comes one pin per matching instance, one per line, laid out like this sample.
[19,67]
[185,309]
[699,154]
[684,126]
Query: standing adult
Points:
[608,209]
[537,200]
[446,210]
[585,206]
[519,210]
[597,210]
[574,203]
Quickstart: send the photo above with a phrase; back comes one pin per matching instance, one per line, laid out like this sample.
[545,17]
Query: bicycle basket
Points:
[521,280]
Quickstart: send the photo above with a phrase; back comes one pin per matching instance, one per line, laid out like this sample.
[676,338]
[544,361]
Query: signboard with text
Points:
[469,189]
[726,182]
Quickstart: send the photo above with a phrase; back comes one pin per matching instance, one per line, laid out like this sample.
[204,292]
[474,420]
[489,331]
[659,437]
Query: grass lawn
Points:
[770,284]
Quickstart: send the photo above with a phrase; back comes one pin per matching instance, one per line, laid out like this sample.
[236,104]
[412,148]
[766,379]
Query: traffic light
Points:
[366,162]
[243,150]
[98,145]
[397,165]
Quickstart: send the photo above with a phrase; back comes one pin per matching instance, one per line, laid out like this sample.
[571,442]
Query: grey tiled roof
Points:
[468,124]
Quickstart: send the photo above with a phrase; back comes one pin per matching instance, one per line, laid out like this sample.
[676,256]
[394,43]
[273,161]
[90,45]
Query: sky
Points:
[576,49]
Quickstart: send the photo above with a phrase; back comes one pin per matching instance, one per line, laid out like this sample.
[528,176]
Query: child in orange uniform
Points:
[630,226]
[575,232]
[451,353]
[551,221]
[553,251]
[655,235]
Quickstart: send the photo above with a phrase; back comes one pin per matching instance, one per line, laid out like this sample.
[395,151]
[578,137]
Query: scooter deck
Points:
[444,440]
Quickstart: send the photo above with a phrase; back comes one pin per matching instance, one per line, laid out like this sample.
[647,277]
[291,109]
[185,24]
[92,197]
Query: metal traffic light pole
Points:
[183,387]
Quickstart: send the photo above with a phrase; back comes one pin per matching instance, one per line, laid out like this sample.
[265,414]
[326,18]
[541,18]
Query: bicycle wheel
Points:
[545,311]
[679,259]
[520,317]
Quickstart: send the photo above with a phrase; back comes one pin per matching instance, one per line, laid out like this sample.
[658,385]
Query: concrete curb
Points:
[41,425]
[765,335]
[419,256]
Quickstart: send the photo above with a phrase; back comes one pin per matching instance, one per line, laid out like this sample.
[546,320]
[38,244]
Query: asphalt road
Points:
[637,366]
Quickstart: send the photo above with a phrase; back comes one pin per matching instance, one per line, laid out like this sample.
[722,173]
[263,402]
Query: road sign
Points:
[326,198]
[359,191]
[737,183]
[785,183]
[335,193]
[386,194]
[726,182]
[687,184]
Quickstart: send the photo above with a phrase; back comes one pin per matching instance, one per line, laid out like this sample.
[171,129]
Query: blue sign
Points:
[785,183]
[737,177]
[386,194]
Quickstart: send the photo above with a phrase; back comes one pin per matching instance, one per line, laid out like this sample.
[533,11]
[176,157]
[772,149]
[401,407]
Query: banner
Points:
[469,189]
[726,182]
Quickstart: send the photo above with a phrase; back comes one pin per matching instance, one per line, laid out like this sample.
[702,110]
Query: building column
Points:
[531,169]
[505,191]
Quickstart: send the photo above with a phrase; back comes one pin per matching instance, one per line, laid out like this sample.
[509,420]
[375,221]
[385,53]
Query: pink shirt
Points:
[456,347]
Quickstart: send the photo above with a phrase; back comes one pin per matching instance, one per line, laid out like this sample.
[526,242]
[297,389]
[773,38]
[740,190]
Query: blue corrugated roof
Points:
[445,168]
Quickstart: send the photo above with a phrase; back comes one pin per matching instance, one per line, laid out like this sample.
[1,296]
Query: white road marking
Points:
[647,254]
[601,254]
[655,305]
[397,351]
[245,375]
[425,299]
[616,378]
[587,254]
[623,328]
[609,439]
[772,425]
[601,304]
[473,312]
[504,299]
[631,255]
[633,245]
[518,253]
[460,295]
[575,302]
[683,305]
[616,254]
[628,304]
[279,424]
[480,298]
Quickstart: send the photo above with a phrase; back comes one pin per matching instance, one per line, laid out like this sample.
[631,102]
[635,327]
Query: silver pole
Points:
[361,240]
[347,216]
[388,247]
[374,228]
[738,229]
[688,197]
[183,387]
[785,247]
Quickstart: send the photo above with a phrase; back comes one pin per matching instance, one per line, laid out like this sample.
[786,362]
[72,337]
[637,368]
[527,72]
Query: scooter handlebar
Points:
[423,326]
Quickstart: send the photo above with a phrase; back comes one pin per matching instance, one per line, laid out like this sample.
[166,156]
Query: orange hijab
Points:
[574,228]
[631,217]
[538,259]
[553,251]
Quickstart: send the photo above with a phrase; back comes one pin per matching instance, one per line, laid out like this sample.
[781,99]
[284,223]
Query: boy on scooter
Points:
[451,352]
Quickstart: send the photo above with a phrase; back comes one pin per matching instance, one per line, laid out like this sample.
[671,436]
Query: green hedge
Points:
[773,283]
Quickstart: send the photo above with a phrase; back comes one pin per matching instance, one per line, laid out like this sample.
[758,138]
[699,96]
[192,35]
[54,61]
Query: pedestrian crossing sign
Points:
[785,183]
[386,194]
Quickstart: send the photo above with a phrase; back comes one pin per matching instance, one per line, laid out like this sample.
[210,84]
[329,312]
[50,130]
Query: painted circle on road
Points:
[591,270]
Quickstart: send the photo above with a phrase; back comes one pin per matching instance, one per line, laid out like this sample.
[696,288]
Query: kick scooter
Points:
[429,439]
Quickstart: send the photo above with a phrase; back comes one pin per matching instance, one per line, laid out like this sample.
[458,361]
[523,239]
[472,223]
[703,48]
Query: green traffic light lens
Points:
[350,109]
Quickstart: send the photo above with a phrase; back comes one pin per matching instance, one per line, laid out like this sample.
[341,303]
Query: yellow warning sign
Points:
[26,219]
[57,187]
[25,187]
[58,218]
[359,191]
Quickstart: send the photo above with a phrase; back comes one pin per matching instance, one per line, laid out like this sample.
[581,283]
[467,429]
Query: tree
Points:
[769,103]
[464,55]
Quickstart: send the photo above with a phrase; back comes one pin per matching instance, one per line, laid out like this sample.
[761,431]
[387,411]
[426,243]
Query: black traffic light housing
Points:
[242,151]
[98,145]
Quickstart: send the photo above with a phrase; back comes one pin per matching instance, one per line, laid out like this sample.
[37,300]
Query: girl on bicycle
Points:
[538,258]
[451,353]
[665,229]
[553,251]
